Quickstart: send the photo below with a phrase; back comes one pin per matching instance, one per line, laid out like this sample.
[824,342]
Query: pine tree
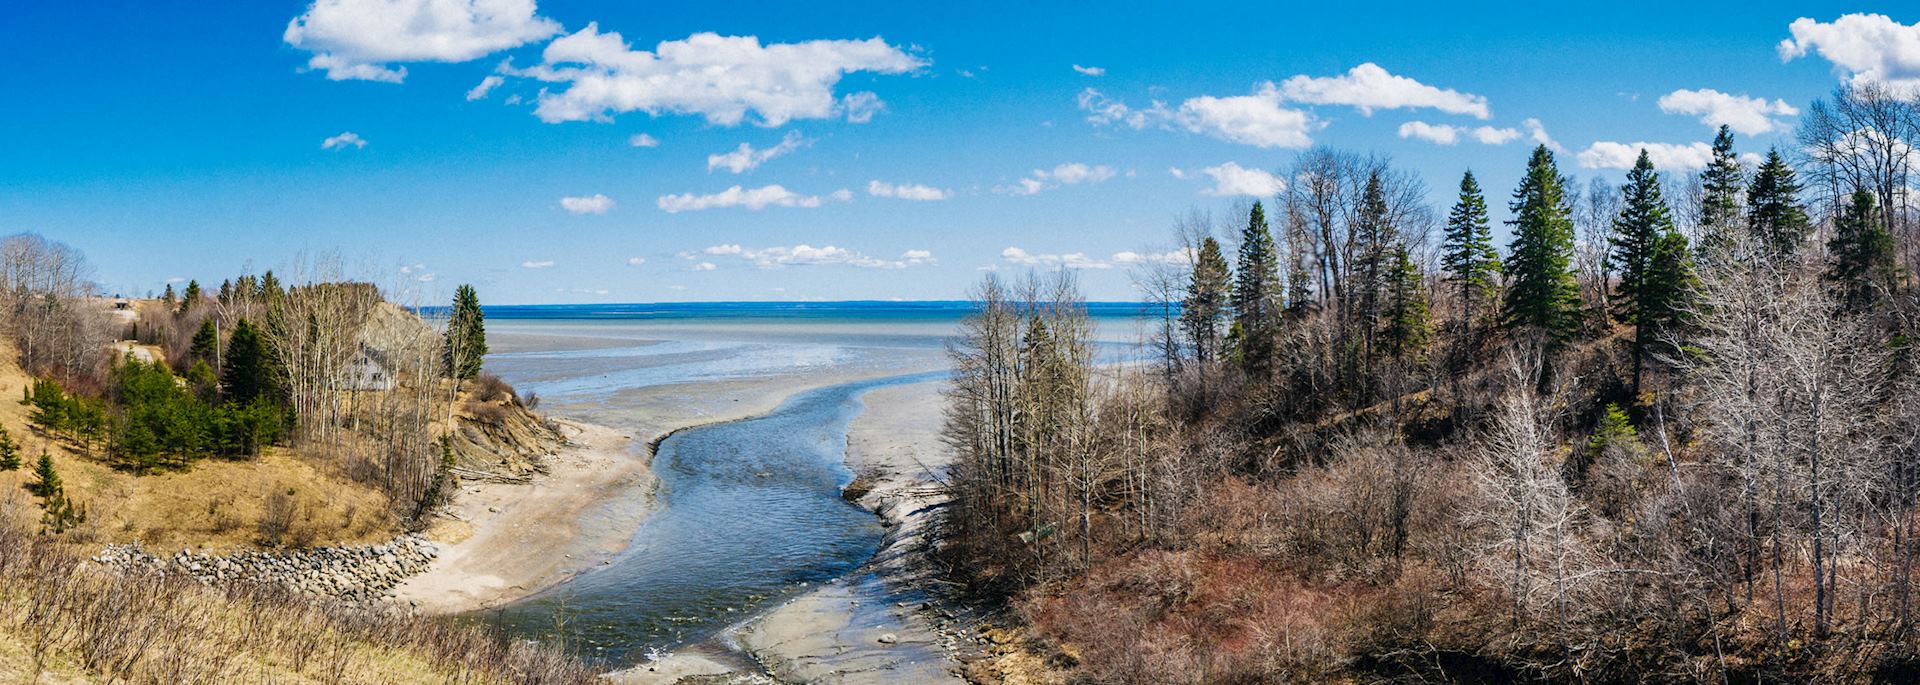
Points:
[206,343]
[466,340]
[1542,294]
[1206,303]
[1471,262]
[269,287]
[9,452]
[248,373]
[1720,185]
[1255,279]
[1775,218]
[169,299]
[191,297]
[46,481]
[1638,232]
[226,292]
[1861,251]
[1408,315]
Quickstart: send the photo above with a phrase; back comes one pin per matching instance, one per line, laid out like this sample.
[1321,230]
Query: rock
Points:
[889,638]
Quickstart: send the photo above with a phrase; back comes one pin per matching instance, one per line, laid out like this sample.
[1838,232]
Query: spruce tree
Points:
[9,452]
[466,339]
[1720,185]
[1373,259]
[1542,295]
[46,481]
[169,299]
[1671,285]
[1643,224]
[1469,257]
[191,296]
[248,373]
[1861,251]
[1255,279]
[269,287]
[1408,315]
[1206,302]
[1775,218]
[206,343]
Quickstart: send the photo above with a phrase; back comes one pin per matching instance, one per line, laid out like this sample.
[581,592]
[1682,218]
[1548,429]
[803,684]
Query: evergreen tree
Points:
[1720,185]
[226,292]
[466,340]
[1469,257]
[1256,278]
[61,514]
[1206,303]
[269,287]
[206,343]
[9,452]
[248,372]
[1643,224]
[1671,284]
[1861,251]
[169,299]
[1408,316]
[1542,294]
[46,481]
[191,296]
[1370,276]
[1775,218]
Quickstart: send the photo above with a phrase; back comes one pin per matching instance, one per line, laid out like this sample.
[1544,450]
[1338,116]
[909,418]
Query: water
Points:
[749,512]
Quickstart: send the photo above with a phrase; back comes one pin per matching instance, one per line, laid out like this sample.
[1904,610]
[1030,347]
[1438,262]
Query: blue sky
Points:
[192,141]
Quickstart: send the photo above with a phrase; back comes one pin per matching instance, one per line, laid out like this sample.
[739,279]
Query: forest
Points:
[1669,432]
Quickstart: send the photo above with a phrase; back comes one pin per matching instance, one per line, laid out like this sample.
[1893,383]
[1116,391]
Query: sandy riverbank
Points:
[871,626]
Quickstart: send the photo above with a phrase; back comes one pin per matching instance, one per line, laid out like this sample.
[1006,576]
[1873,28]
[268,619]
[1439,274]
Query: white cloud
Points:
[1256,119]
[1865,47]
[1611,155]
[1537,133]
[1369,87]
[744,158]
[1231,179]
[1745,115]
[590,204]
[1072,260]
[486,86]
[358,39]
[643,140]
[1090,71]
[636,261]
[704,266]
[1445,134]
[537,264]
[808,255]
[722,78]
[1181,256]
[756,199]
[1072,173]
[907,191]
[343,141]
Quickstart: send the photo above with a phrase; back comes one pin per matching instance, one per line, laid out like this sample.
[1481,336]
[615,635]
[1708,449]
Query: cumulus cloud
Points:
[1445,134]
[1231,179]
[643,140]
[744,158]
[1071,173]
[345,140]
[1745,115]
[704,266]
[1258,119]
[1090,71]
[808,255]
[636,261]
[359,39]
[722,78]
[1182,256]
[486,86]
[590,204]
[907,191]
[1862,47]
[1611,155]
[1369,87]
[1537,133]
[537,264]
[755,200]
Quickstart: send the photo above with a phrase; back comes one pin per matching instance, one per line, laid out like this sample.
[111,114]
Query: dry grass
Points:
[65,620]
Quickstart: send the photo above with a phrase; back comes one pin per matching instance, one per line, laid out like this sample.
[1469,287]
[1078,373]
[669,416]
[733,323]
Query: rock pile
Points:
[355,574]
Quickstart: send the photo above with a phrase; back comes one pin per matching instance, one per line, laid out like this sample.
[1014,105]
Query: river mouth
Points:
[749,513]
